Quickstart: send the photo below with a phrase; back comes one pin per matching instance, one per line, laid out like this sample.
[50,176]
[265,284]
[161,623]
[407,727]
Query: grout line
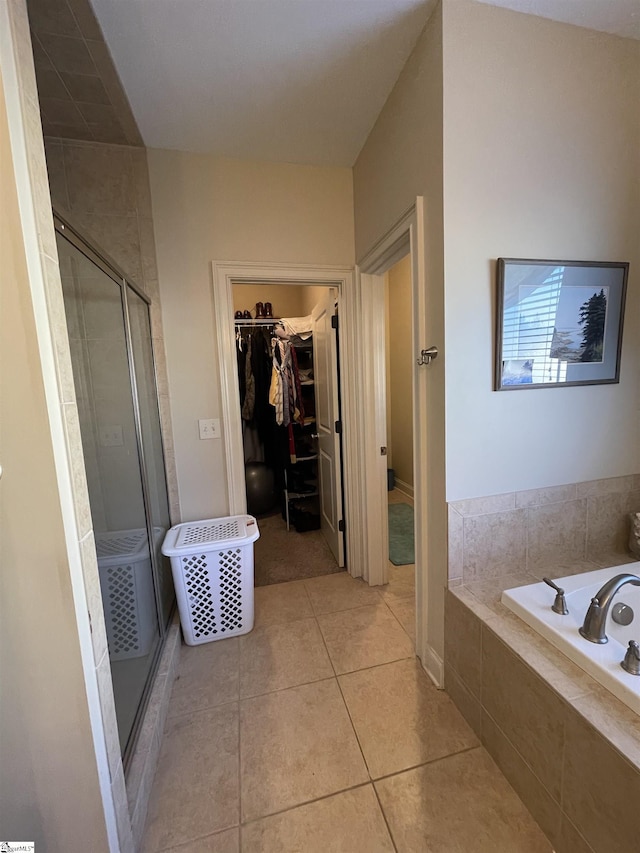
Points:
[357,606]
[427,763]
[411,657]
[393,613]
[364,758]
[563,818]
[384,816]
[191,841]
[239,750]
[563,759]
[344,702]
[288,687]
[303,683]
[326,648]
[522,759]
[307,803]
[306,592]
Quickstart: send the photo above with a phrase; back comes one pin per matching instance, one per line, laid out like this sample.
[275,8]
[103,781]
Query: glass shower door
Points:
[144,369]
[101,368]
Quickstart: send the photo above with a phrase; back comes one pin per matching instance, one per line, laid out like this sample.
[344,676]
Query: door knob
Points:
[428,355]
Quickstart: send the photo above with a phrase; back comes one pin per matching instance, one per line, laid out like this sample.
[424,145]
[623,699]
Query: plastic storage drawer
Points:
[212,566]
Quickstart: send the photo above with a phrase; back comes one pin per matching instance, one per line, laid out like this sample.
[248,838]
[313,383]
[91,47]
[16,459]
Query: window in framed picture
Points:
[559,323]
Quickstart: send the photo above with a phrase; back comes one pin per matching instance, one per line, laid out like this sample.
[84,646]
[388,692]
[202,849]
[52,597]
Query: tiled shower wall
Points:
[542,528]
[103,191]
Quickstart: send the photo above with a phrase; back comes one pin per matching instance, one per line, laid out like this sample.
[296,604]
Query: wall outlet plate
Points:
[209,428]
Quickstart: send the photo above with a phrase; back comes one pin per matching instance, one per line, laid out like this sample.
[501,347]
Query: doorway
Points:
[407,236]
[399,417]
[291,450]
[362,385]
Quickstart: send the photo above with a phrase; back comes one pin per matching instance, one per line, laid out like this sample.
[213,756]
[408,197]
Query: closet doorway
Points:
[286,346]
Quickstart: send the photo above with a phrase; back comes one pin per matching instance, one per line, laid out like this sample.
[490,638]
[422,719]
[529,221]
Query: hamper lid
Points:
[114,546]
[229,532]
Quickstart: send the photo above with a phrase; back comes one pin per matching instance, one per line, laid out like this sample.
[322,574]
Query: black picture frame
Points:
[558,323]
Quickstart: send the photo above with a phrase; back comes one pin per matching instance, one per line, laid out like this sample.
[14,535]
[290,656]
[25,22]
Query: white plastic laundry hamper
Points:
[212,565]
[124,566]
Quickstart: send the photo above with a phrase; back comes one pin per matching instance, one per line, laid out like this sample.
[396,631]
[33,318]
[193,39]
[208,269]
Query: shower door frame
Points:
[108,266]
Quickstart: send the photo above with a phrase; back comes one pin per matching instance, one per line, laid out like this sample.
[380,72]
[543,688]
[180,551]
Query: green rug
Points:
[401,543]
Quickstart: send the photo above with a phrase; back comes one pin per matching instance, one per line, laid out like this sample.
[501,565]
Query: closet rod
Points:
[256,323]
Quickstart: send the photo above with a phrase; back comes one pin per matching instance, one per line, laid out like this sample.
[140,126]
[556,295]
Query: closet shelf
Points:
[306,458]
[257,321]
[296,496]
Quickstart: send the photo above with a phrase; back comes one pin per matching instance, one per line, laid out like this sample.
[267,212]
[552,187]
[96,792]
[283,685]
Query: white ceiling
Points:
[298,81]
[619,17]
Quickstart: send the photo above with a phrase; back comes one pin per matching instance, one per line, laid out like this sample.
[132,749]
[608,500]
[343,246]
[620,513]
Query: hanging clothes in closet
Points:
[285,394]
[270,391]
[262,442]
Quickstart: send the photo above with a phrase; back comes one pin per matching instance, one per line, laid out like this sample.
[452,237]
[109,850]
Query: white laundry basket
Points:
[212,565]
[124,566]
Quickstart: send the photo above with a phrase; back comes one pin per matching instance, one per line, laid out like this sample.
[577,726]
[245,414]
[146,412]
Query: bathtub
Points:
[533,605]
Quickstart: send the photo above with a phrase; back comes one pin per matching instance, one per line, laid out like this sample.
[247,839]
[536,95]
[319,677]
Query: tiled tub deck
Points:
[570,749]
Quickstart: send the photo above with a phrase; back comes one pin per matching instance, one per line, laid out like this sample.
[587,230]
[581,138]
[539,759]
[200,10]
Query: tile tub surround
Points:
[540,529]
[569,748]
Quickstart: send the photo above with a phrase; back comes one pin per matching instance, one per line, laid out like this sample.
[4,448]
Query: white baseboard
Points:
[405,488]
[433,665]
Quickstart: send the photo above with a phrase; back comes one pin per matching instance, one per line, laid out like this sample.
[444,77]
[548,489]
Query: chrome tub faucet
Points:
[595,620]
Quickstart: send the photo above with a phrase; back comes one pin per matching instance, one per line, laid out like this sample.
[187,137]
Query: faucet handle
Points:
[631,662]
[560,603]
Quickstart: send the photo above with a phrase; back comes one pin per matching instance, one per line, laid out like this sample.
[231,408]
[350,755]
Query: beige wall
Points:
[402,158]
[205,209]
[286,300]
[312,294]
[541,154]
[49,790]
[400,371]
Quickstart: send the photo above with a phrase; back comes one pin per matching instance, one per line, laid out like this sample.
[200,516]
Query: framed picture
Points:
[559,323]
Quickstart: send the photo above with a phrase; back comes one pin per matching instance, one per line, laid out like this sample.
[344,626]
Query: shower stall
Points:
[113,369]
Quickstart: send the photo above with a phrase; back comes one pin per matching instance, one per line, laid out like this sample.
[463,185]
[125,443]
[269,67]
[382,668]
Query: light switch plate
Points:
[209,427]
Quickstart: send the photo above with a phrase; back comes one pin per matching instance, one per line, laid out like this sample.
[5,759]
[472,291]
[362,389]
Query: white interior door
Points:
[325,369]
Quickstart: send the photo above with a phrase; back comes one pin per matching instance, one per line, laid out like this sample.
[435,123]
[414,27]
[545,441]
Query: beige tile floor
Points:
[319,732]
